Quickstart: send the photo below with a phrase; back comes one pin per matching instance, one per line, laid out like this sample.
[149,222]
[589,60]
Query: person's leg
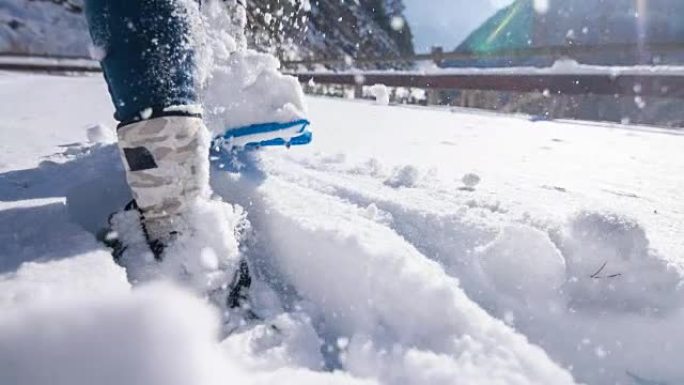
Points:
[148,51]
[149,63]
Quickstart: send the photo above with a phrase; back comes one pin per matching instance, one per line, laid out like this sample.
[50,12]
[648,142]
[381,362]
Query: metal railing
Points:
[438,55]
[45,63]
[649,83]
[654,83]
[657,85]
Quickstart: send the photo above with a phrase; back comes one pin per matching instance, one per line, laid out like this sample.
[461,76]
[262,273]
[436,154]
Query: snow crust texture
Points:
[405,246]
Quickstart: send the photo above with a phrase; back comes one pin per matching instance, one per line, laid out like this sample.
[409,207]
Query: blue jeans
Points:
[149,59]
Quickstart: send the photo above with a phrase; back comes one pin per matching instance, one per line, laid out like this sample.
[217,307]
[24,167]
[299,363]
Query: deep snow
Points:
[404,246]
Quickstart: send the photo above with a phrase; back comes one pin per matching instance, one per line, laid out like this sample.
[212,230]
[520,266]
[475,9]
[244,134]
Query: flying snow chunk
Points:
[397,23]
[640,103]
[146,113]
[381,94]
[209,260]
[96,52]
[100,133]
[541,6]
[348,60]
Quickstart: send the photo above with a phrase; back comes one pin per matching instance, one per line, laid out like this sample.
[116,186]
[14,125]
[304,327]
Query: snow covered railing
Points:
[565,77]
[657,83]
[571,50]
[32,63]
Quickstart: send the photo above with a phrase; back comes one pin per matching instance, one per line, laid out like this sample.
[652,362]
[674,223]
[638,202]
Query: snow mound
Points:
[523,262]
[287,340]
[49,282]
[243,87]
[436,335]
[203,259]
[522,271]
[158,335]
[406,176]
[613,267]
[248,89]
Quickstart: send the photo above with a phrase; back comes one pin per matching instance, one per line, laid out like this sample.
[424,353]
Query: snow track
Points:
[555,280]
[404,319]
[479,251]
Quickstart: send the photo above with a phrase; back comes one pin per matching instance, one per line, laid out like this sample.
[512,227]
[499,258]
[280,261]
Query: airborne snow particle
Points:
[342,343]
[640,103]
[96,52]
[209,259]
[509,318]
[541,6]
[600,352]
[146,113]
[111,236]
[397,23]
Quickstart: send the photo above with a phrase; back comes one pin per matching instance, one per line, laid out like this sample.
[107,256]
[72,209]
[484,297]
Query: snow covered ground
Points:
[405,246]
[44,28]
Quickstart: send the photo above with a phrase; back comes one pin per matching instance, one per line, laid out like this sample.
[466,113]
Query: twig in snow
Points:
[597,275]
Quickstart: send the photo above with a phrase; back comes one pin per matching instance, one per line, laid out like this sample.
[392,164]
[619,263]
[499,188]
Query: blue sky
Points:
[447,22]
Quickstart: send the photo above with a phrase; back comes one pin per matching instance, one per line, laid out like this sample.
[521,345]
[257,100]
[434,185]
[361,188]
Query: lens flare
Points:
[641,31]
[516,8]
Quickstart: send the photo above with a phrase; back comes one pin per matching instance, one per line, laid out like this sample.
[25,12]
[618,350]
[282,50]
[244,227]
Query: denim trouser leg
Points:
[149,58]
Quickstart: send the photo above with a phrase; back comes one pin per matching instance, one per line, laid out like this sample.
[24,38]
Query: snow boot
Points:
[173,229]
[167,170]
[133,249]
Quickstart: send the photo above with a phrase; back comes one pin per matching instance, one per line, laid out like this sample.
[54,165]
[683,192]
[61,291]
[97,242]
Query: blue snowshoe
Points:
[255,136]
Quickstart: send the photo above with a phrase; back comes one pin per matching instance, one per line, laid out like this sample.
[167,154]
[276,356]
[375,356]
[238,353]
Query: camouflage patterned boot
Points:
[167,170]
